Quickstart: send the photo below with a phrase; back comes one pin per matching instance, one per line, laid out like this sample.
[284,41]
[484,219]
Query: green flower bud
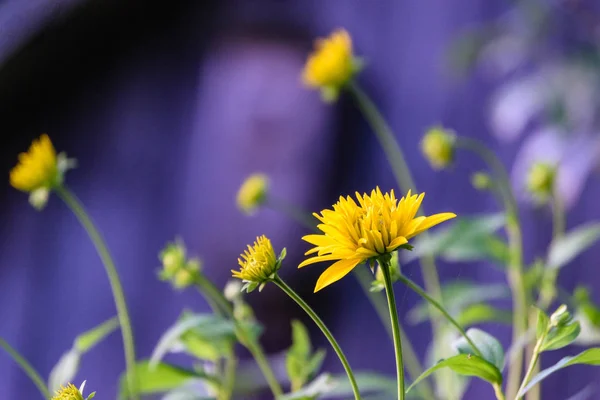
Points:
[481,180]
[541,179]
[253,193]
[561,316]
[438,147]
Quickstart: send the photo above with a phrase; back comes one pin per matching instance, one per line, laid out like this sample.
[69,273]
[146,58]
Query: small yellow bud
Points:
[173,259]
[481,180]
[541,180]
[253,193]
[37,168]
[438,147]
[183,278]
[331,65]
[258,264]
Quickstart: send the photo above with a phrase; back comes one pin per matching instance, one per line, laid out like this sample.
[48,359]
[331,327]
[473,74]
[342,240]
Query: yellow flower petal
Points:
[336,272]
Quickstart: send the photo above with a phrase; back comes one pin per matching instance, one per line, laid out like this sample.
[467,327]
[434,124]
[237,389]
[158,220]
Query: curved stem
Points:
[115,283]
[336,347]
[498,392]
[531,369]
[441,309]
[229,381]
[222,307]
[377,300]
[515,244]
[389,291]
[27,368]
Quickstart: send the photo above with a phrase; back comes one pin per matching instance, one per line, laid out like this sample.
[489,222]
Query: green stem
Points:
[117,290]
[27,368]
[336,347]
[229,381]
[531,369]
[389,291]
[377,300]
[292,211]
[515,244]
[498,392]
[441,309]
[224,308]
[396,159]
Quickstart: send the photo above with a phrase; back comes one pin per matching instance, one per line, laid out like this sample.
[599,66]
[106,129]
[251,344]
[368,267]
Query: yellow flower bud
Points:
[258,263]
[438,147]
[253,193]
[331,65]
[183,278]
[173,259]
[481,180]
[541,180]
[37,168]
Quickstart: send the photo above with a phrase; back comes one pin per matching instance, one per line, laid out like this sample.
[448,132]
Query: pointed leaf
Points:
[542,323]
[465,364]
[588,357]
[564,249]
[65,370]
[89,339]
[482,312]
[562,336]
[490,347]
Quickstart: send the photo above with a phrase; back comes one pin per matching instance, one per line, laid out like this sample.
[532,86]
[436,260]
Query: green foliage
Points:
[161,377]
[466,239]
[465,364]
[564,249]
[560,329]
[67,366]
[481,312]
[301,364]
[588,357]
[322,384]
[490,347]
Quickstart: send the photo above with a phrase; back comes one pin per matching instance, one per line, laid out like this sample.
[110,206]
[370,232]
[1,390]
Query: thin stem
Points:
[531,369]
[291,210]
[223,307]
[515,244]
[377,300]
[336,347]
[441,309]
[265,367]
[27,368]
[115,283]
[389,291]
[498,392]
[229,381]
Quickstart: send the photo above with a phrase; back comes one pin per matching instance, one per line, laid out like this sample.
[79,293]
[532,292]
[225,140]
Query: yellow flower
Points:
[541,179]
[258,263]
[69,392]
[253,193]
[354,233]
[438,147]
[37,168]
[331,65]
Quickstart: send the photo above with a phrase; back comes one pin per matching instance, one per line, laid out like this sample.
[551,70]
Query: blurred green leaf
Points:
[542,324]
[68,365]
[300,364]
[65,370]
[588,357]
[465,239]
[89,339]
[457,296]
[564,249]
[206,326]
[465,364]
[369,384]
[158,378]
[561,336]
[490,347]
[481,312]
[322,384]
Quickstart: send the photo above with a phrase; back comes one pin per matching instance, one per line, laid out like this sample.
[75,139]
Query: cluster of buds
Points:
[234,293]
[176,268]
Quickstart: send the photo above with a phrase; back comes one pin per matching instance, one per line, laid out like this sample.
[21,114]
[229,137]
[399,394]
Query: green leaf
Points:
[561,336]
[542,324]
[301,345]
[465,364]
[564,249]
[588,357]
[466,238]
[157,378]
[481,312]
[321,385]
[89,339]
[300,366]
[207,326]
[490,347]
[457,296]
[65,370]
[369,383]
[68,365]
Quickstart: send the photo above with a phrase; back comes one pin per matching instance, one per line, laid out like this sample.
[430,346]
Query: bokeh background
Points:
[168,106]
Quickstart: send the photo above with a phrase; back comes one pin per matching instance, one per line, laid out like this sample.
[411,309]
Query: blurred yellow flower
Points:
[354,233]
[37,168]
[438,147]
[332,64]
[258,263]
[69,392]
[253,193]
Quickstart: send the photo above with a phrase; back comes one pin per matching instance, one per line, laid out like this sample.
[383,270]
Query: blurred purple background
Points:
[168,106]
